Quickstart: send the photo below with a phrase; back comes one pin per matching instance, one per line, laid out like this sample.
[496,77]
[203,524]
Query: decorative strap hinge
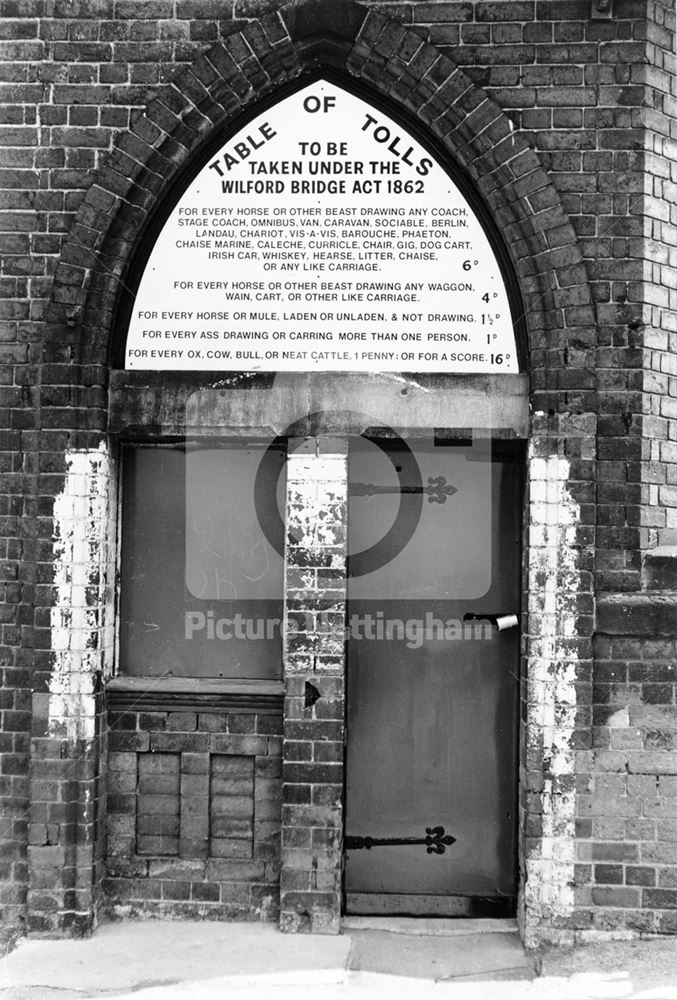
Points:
[437,489]
[436,841]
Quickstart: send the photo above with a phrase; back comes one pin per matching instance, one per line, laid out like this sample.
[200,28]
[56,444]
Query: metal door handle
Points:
[500,621]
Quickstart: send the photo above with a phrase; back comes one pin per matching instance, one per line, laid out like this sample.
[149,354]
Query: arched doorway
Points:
[152,412]
[289,251]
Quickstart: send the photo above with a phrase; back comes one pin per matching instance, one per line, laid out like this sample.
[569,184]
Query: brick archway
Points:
[397,63]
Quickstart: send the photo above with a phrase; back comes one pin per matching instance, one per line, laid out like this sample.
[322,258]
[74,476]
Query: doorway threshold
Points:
[431,926]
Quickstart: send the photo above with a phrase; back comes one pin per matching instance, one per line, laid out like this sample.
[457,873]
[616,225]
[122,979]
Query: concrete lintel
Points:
[311,404]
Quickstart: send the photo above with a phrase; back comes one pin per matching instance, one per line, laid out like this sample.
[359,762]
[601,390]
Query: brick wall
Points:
[627,857]
[65,832]
[659,514]
[193,809]
[75,640]
[566,126]
[314,663]
[556,694]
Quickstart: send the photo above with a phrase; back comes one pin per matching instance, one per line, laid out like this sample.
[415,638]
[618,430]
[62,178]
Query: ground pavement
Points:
[431,960]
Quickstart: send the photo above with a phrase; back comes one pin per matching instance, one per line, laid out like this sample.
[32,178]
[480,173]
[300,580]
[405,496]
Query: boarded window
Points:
[201,566]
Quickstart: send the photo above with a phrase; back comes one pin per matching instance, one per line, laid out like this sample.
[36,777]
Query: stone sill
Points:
[659,569]
[650,613]
[210,694]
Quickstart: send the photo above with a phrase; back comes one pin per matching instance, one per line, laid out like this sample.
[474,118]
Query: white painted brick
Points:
[551,705]
[82,633]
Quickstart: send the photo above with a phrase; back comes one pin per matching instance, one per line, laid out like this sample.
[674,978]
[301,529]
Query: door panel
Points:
[432,705]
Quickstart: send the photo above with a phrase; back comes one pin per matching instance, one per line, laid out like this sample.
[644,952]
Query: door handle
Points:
[501,622]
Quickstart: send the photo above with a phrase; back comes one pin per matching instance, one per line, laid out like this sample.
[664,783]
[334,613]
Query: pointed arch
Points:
[222,87]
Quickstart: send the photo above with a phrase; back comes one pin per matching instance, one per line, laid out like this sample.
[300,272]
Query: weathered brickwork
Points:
[193,812]
[65,832]
[627,856]
[566,125]
[556,702]
[69,731]
[314,663]
[659,516]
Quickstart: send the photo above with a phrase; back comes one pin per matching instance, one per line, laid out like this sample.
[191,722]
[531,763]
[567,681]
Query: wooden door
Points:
[432,694]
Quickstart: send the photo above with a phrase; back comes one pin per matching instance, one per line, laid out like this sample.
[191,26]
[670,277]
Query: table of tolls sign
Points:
[322,237]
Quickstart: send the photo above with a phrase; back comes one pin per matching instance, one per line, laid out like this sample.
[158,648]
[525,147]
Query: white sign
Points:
[322,237]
